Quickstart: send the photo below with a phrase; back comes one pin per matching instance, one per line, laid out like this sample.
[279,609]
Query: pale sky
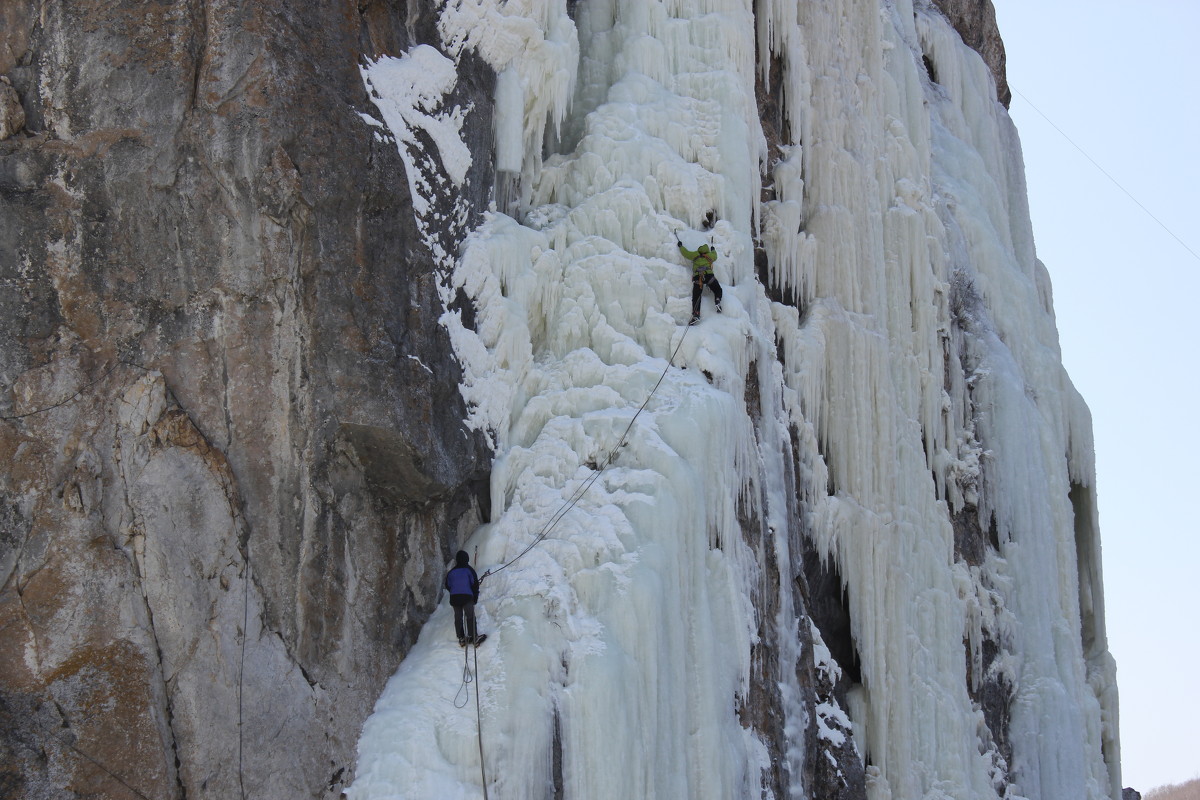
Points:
[1122,81]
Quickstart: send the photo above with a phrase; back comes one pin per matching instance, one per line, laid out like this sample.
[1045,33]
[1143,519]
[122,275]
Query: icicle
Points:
[913,362]
[510,119]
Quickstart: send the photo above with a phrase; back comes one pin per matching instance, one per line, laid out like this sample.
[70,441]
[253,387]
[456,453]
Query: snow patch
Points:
[409,92]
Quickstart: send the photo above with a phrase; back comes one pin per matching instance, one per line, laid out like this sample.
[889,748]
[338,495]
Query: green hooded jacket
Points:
[702,259]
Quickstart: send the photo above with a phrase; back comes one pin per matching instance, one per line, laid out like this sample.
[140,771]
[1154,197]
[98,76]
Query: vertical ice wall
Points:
[883,393]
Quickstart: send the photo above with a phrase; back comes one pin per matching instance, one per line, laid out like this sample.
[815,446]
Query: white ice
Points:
[620,645]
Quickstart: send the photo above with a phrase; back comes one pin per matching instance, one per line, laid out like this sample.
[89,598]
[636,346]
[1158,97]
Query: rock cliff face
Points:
[975,21]
[234,458]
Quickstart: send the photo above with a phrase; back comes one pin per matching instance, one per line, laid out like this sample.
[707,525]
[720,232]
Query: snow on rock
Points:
[408,92]
[411,94]
[890,400]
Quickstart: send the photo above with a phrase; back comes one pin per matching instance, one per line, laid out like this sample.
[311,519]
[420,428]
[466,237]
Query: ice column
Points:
[896,329]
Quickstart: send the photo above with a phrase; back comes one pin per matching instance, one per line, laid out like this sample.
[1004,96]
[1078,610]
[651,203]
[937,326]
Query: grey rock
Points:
[975,21]
[238,461]
[17,18]
[12,115]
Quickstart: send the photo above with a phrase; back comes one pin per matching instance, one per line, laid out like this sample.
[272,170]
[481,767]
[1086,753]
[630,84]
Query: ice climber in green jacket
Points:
[702,259]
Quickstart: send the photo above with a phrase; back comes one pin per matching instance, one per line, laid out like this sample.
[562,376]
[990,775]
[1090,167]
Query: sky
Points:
[1106,97]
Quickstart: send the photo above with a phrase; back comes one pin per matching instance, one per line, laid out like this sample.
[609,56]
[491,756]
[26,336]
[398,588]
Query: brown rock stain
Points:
[110,714]
[93,144]
[17,646]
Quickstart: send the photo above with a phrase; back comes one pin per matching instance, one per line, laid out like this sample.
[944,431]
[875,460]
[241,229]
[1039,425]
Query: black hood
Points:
[462,559]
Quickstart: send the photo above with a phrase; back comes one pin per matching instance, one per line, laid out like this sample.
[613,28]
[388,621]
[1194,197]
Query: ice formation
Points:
[890,363]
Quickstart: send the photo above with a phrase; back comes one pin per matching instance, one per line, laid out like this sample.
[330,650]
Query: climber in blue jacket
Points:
[463,584]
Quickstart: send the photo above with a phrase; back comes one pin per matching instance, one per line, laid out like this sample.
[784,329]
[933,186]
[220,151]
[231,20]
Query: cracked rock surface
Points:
[231,483]
[975,21]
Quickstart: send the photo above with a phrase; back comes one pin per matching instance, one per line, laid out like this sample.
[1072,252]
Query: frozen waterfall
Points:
[885,371]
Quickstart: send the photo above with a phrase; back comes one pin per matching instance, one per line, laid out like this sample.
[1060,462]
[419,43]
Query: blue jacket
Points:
[463,580]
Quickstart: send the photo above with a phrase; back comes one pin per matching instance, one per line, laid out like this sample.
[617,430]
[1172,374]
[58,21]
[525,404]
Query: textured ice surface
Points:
[913,362]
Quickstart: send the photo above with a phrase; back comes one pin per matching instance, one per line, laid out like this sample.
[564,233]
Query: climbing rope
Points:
[579,492]
[470,676]
[242,673]
[467,678]
[479,727]
[68,399]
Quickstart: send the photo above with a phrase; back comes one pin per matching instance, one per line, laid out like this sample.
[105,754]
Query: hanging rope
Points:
[578,494]
[68,399]
[479,727]
[242,674]
[467,678]
[470,676]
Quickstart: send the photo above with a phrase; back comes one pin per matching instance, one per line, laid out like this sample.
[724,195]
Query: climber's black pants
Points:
[464,605]
[698,288]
